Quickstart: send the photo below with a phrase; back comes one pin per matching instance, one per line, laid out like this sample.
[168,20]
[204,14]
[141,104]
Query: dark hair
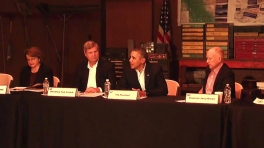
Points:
[142,52]
[34,52]
[90,44]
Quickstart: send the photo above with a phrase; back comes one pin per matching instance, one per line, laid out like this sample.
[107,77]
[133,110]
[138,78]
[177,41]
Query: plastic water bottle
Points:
[45,86]
[227,94]
[107,87]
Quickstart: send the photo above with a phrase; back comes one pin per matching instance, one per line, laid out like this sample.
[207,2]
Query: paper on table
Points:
[180,101]
[17,88]
[143,97]
[90,94]
[34,90]
[26,89]
[259,101]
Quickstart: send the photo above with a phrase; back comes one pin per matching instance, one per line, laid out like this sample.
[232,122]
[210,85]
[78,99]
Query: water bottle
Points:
[107,87]
[45,86]
[227,94]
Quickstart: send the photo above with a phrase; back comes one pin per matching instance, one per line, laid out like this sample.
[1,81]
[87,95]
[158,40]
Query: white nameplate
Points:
[202,98]
[260,85]
[123,94]
[3,89]
[65,92]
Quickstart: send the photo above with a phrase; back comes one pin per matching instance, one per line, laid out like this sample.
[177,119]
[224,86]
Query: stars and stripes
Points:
[164,32]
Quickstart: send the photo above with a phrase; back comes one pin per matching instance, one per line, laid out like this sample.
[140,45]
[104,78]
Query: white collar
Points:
[95,65]
[142,69]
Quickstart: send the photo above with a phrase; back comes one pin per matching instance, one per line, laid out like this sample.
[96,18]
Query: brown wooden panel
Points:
[128,20]
[79,27]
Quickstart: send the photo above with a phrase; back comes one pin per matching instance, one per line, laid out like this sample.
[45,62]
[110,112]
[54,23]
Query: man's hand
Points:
[141,93]
[92,90]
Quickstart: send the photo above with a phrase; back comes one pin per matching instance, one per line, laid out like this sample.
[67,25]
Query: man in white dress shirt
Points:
[147,78]
[92,74]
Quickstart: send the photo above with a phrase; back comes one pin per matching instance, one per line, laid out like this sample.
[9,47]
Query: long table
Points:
[9,120]
[36,121]
[245,125]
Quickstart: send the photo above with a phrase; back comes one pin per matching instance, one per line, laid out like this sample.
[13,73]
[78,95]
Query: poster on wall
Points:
[246,12]
[202,11]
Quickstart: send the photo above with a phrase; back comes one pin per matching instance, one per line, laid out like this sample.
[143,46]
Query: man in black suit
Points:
[217,73]
[92,74]
[145,77]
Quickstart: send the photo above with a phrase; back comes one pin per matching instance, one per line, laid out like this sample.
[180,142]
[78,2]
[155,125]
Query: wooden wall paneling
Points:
[128,20]
[157,9]
[125,19]
[76,36]
[103,26]
[176,30]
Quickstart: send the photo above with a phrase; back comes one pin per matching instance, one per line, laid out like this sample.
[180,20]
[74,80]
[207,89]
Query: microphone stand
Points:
[64,18]
[2,42]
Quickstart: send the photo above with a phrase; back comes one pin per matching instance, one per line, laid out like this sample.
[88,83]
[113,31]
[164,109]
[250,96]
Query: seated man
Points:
[217,73]
[92,74]
[143,76]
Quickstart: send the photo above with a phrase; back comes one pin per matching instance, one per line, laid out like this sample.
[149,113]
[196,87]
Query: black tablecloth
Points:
[30,120]
[96,122]
[9,121]
[245,125]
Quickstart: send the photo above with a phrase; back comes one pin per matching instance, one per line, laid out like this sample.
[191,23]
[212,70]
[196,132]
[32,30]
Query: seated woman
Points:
[35,73]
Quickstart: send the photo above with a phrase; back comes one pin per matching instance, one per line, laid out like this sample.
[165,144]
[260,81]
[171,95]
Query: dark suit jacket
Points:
[224,76]
[43,72]
[104,70]
[155,83]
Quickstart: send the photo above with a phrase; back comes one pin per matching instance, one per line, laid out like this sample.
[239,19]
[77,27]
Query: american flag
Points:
[164,33]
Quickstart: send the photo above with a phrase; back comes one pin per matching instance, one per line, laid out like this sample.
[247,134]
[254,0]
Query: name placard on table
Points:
[3,89]
[124,94]
[64,92]
[202,98]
